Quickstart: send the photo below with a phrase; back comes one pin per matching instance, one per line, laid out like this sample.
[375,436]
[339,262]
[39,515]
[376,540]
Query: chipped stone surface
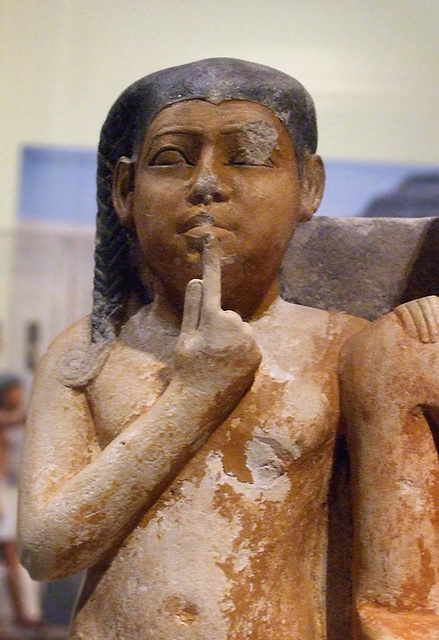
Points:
[257,141]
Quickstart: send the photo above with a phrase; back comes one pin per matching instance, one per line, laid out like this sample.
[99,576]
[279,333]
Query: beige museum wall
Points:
[371,65]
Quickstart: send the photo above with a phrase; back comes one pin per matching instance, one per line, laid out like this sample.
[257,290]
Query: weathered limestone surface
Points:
[390,390]
[192,453]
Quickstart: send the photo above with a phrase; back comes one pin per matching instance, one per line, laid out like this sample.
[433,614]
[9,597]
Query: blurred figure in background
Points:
[24,597]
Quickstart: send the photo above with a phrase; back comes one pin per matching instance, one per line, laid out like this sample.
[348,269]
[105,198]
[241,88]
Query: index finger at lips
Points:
[191,311]
[211,275]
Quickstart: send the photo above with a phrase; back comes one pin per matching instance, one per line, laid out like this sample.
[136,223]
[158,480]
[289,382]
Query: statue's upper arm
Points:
[59,430]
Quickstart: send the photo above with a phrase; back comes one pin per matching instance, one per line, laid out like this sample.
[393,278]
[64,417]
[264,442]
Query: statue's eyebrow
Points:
[177,129]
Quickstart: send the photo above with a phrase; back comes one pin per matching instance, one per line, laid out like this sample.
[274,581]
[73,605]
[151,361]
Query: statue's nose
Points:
[206,188]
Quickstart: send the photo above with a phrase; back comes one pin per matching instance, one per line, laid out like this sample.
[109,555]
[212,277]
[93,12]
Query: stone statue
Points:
[182,441]
[390,374]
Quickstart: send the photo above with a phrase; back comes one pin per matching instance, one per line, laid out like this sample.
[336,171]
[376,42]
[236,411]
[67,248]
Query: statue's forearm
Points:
[70,528]
[74,506]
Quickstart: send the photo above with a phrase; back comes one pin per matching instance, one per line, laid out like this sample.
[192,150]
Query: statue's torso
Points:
[235,547]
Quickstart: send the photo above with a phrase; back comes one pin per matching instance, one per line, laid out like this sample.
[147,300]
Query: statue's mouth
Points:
[197,227]
[200,219]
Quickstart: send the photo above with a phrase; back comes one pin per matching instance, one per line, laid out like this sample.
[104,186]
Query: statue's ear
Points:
[313,184]
[123,190]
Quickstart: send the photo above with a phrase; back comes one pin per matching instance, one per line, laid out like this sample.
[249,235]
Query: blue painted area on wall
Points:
[58,185]
[350,186]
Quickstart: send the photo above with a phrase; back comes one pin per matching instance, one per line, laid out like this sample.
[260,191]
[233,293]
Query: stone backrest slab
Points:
[364,266]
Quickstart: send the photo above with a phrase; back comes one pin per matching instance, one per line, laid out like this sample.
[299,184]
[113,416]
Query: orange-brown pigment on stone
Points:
[187,612]
[418,444]
[232,437]
[327,348]
[434,425]
[233,452]
[249,584]
[230,505]
[263,581]
[415,625]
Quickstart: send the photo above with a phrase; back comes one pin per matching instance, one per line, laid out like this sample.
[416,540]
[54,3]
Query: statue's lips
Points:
[201,223]
[206,229]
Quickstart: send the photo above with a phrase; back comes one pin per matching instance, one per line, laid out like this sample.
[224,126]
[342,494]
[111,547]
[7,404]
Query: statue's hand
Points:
[420,318]
[216,351]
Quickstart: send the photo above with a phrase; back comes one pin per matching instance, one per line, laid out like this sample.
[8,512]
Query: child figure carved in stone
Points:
[180,445]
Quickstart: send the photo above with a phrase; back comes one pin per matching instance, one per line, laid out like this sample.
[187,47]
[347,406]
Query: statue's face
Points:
[229,169]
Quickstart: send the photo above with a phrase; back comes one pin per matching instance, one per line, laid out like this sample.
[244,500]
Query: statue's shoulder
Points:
[410,324]
[78,333]
[75,336]
[72,358]
[322,316]
[396,352]
[405,335]
[336,326]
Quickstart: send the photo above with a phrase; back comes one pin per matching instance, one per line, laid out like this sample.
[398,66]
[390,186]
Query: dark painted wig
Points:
[215,80]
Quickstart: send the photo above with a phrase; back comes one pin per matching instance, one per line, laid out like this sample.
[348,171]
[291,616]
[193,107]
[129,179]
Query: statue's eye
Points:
[169,156]
[246,159]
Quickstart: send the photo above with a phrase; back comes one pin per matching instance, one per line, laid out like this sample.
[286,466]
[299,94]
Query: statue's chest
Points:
[277,424]
[292,410]
[127,387]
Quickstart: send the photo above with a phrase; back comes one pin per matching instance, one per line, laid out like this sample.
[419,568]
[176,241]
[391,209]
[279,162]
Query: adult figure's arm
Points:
[390,390]
[78,501]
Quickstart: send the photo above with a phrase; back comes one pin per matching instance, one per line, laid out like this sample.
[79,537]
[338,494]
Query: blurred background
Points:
[371,65]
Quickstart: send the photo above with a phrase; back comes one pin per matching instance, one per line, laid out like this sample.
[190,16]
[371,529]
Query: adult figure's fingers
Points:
[192,307]
[431,306]
[418,318]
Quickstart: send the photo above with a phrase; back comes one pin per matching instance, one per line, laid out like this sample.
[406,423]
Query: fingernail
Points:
[208,239]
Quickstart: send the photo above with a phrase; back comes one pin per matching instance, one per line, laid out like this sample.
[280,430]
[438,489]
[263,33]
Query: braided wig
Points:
[214,80]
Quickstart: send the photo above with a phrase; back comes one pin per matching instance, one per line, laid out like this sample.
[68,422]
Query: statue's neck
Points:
[248,309]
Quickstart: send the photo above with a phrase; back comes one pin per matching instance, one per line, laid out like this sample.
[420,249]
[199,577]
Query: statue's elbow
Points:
[39,561]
